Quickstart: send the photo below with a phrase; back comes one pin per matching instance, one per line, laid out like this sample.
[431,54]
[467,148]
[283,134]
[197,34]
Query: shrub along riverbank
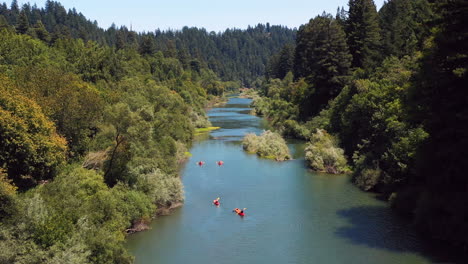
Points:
[268,145]
[323,154]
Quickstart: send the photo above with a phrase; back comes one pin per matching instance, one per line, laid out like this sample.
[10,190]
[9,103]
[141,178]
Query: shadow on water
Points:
[364,227]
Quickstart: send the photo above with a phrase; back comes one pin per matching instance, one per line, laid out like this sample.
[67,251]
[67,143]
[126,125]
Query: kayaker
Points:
[237,210]
[220,163]
[216,202]
[241,213]
[200,163]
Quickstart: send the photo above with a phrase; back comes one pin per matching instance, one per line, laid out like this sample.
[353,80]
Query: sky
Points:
[148,15]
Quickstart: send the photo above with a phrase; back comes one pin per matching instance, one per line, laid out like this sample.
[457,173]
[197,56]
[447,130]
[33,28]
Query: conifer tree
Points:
[3,22]
[363,33]
[341,16]
[322,57]
[23,23]
[402,23]
[147,45]
[286,61]
[14,13]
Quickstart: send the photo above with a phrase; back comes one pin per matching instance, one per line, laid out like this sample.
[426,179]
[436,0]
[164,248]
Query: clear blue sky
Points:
[214,15]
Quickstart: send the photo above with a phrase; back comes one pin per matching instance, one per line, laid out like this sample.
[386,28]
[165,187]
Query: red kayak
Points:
[241,214]
[216,203]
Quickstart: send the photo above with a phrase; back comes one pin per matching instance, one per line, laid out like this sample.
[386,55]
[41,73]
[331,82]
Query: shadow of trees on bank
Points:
[379,227]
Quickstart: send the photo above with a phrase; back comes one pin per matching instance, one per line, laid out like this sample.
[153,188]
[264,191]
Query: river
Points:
[293,215]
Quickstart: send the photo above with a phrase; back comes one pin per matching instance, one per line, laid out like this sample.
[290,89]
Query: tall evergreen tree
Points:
[147,46]
[23,23]
[286,60]
[41,31]
[322,57]
[341,16]
[14,13]
[402,23]
[282,63]
[363,33]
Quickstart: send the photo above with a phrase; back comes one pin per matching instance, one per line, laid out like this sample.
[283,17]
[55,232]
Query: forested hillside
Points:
[389,88]
[234,55]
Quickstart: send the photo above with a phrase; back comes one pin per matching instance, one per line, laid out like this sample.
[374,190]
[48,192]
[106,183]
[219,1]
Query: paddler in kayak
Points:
[241,213]
[200,163]
[220,163]
[216,202]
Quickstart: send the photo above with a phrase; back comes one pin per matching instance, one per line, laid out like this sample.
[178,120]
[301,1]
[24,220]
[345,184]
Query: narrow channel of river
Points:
[293,215]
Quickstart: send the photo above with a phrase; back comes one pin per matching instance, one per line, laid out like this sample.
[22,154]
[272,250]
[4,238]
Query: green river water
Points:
[293,215]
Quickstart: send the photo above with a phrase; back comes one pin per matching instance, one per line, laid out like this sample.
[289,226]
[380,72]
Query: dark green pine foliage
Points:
[282,63]
[440,99]
[341,16]
[403,26]
[286,60]
[322,58]
[23,23]
[363,33]
[41,32]
[147,46]
[234,54]
[13,13]
[3,22]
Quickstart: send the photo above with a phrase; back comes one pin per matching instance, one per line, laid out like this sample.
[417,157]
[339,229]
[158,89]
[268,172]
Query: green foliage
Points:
[323,154]
[292,129]
[403,26]
[438,100]
[30,149]
[320,121]
[162,189]
[371,121]
[8,200]
[72,104]
[23,23]
[280,64]
[41,32]
[368,178]
[322,58]
[267,145]
[363,33]
[21,50]
[79,210]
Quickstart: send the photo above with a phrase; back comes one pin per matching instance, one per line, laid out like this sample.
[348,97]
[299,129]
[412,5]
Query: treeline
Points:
[389,86]
[91,140]
[234,55]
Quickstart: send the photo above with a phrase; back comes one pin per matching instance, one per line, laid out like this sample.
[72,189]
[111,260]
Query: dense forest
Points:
[387,90]
[234,55]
